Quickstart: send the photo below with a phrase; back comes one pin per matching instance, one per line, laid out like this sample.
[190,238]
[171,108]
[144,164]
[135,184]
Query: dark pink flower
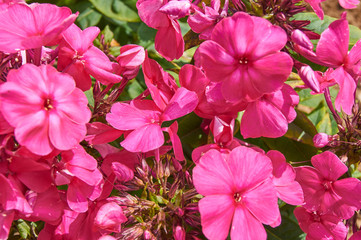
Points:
[320,226]
[39,102]
[80,58]
[239,194]
[244,54]
[335,41]
[33,26]
[323,192]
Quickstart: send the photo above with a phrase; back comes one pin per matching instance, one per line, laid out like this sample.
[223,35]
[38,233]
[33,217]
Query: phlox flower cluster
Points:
[90,165]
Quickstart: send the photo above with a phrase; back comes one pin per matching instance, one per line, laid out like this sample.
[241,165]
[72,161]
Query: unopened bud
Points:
[179,233]
[320,140]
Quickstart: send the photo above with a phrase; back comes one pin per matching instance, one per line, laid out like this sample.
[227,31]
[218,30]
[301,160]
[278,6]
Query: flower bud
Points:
[320,140]
[179,233]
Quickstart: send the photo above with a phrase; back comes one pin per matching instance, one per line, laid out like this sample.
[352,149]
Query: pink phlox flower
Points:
[315,80]
[269,116]
[323,192]
[249,64]
[320,226]
[130,58]
[204,20]
[80,58]
[100,133]
[239,194]
[39,101]
[335,41]
[79,170]
[33,26]
[168,40]
[145,117]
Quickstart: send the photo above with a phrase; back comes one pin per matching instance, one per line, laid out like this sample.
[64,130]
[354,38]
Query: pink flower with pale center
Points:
[45,108]
[239,194]
[323,192]
[33,26]
[244,54]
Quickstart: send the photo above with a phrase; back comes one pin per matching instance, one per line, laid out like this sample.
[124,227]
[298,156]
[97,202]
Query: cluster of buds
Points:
[167,201]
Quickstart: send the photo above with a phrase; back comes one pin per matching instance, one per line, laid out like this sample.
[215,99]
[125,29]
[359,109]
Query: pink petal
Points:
[216,215]
[262,118]
[316,6]
[77,195]
[193,79]
[182,103]
[80,41]
[110,217]
[348,4]
[148,11]
[126,117]
[144,139]
[176,9]
[349,189]
[216,61]
[100,133]
[272,39]
[310,78]
[100,67]
[235,33]
[304,218]
[212,175]
[33,133]
[354,56]
[334,42]
[122,172]
[6,220]
[75,132]
[176,142]
[346,96]
[291,193]
[81,77]
[248,167]
[262,202]
[169,41]
[75,107]
[329,165]
[246,227]
[131,56]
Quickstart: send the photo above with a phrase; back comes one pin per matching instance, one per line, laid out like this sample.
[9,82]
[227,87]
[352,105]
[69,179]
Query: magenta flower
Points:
[79,58]
[33,26]
[39,102]
[244,54]
[323,192]
[335,41]
[320,226]
[144,118]
[238,191]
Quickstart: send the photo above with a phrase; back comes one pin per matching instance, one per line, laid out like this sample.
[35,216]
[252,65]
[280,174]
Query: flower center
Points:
[237,197]
[47,104]
[243,60]
[327,185]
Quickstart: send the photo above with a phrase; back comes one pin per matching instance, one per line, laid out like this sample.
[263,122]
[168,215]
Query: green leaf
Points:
[318,26]
[89,96]
[108,34]
[301,129]
[88,15]
[289,228]
[294,151]
[117,9]
[23,228]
